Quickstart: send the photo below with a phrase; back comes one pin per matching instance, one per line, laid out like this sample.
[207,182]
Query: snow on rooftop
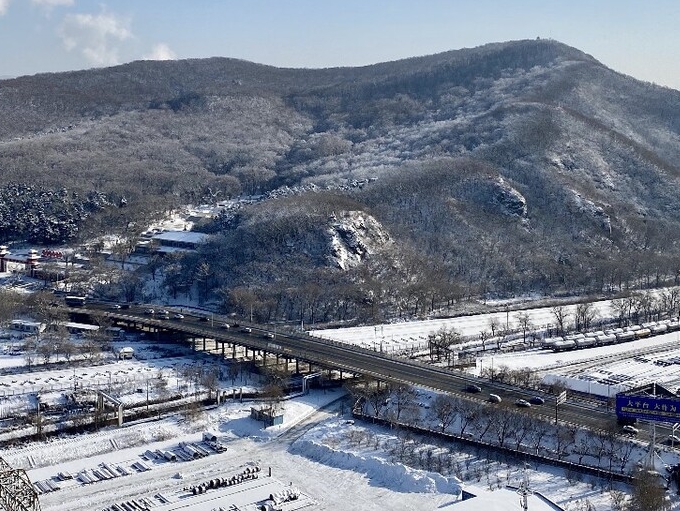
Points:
[181,236]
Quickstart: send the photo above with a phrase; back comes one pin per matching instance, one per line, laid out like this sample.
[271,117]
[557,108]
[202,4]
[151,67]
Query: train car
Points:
[625,336]
[673,325]
[606,339]
[642,333]
[549,342]
[565,345]
[659,328]
[586,341]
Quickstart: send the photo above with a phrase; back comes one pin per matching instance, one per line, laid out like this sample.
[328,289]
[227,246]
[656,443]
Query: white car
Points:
[178,316]
[523,403]
[631,430]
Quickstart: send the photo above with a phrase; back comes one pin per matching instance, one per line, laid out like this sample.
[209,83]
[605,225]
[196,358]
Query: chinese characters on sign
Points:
[651,408]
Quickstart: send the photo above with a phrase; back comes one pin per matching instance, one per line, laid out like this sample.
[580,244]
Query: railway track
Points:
[600,360]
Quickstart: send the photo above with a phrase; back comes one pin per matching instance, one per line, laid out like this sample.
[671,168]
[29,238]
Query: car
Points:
[125,306]
[115,306]
[204,318]
[537,400]
[225,325]
[495,398]
[149,311]
[268,335]
[163,312]
[178,316]
[631,430]
[474,389]
[164,316]
[246,330]
[523,403]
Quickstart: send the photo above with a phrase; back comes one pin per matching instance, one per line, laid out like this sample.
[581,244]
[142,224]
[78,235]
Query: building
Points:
[171,241]
[126,353]
[30,327]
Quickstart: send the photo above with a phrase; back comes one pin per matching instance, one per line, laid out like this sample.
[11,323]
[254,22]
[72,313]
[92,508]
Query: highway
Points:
[335,355]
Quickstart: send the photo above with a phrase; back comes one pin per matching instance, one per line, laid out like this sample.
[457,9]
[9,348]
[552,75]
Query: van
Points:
[495,398]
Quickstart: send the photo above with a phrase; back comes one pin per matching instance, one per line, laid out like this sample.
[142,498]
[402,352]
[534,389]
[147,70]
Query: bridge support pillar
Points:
[277,359]
[264,359]
[233,351]
[223,349]
[297,366]
[204,344]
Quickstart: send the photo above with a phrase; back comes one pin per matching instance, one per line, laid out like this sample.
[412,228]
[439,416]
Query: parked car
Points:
[495,398]
[475,389]
[537,400]
[523,403]
[631,430]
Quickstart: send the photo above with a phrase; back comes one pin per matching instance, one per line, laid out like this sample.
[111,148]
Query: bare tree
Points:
[561,316]
[377,397]
[402,397]
[525,325]
[649,493]
[538,431]
[585,314]
[494,326]
[444,409]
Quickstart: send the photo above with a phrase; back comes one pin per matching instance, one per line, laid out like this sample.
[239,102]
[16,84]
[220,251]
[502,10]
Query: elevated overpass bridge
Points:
[333,355]
[323,353]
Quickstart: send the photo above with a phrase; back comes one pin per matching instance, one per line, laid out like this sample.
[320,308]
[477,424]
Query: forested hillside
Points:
[511,168]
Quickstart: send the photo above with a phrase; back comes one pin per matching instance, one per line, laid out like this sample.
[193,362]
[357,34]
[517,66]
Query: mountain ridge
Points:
[515,167]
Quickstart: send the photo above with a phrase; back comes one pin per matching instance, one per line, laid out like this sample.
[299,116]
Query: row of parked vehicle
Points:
[611,336]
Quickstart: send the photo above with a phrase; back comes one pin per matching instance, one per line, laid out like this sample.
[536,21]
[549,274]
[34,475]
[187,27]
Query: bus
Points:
[75,301]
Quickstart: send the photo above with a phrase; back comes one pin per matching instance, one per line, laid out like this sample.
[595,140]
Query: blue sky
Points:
[635,37]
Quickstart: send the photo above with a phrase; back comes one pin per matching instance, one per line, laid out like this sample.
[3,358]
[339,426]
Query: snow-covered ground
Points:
[334,462]
[318,452]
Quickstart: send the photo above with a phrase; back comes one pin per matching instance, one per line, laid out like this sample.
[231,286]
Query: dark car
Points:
[537,400]
[473,388]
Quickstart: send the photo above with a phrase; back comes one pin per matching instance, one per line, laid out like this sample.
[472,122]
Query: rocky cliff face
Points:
[354,237]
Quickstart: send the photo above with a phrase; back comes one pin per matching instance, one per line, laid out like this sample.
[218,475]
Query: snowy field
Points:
[413,334]
[333,462]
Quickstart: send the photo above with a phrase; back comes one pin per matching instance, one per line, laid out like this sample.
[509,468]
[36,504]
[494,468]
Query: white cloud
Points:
[95,36]
[53,3]
[3,6]
[161,51]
